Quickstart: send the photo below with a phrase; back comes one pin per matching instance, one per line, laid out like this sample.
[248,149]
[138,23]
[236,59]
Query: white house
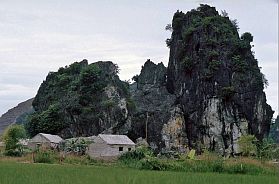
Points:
[110,146]
[47,141]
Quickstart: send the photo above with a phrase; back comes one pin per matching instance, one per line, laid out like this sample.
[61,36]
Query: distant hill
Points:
[11,115]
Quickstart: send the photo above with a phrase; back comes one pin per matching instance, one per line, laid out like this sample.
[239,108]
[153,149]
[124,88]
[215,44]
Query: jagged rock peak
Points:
[152,74]
[216,79]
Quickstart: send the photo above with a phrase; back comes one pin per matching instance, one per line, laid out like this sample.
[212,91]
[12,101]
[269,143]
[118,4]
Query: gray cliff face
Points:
[153,104]
[216,81]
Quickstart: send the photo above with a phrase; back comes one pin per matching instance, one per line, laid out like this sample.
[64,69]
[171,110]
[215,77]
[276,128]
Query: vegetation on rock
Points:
[222,84]
[75,100]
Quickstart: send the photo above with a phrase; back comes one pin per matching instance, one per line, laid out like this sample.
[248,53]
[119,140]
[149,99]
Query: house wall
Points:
[39,141]
[99,149]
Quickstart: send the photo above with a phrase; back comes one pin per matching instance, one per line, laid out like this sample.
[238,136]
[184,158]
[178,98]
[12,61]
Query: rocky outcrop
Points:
[82,100]
[153,104]
[210,94]
[11,116]
[216,80]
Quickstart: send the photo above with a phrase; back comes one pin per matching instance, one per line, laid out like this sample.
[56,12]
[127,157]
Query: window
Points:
[129,149]
[120,148]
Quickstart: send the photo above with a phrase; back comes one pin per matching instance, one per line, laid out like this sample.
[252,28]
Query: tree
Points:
[247,37]
[136,79]
[48,121]
[224,13]
[11,138]
[267,149]
[168,27]
[235,24]
[247,145]
[168,42]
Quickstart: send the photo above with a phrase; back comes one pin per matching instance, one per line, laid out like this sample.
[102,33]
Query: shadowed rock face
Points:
[153,104]
[216,80]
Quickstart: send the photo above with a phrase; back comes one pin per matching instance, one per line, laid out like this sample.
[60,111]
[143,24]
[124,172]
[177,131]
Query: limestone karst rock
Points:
[216,80]
[209,95]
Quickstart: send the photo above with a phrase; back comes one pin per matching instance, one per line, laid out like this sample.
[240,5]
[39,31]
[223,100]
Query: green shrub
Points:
[177,23]
[212,42]
[247,145]
[238,65]
[168,42]
[267,149]
[137,154]
[187,63]
[213,54]
[214,65]
[46,156]
[187,33]
[108,103]
[217,166]
[152,164]
[247,37]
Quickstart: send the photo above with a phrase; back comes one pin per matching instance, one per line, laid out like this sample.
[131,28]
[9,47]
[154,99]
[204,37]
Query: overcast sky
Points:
[40,36]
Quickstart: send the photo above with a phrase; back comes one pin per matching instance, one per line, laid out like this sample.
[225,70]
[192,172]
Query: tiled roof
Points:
[116,139]
[52,138]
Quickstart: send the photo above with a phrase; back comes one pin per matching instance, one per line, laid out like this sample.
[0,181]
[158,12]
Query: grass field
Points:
[21,173]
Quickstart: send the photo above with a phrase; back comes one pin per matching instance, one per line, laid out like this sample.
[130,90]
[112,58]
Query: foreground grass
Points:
[21,173]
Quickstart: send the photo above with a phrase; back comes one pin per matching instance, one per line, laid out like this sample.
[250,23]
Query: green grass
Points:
[20,173]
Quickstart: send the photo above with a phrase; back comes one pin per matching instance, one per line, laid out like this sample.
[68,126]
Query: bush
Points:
[187,63]
[217,166]
[152,164]
[168,42]
[214,65]
[267,149]
[133,158]
[47,156]
[212,54]
[247,145]
[238,65]
[137,154]
[76,145]
[187,33]
[177,20]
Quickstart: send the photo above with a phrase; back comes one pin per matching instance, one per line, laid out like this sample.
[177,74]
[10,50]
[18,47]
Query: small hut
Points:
[110,146]
[45,141]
